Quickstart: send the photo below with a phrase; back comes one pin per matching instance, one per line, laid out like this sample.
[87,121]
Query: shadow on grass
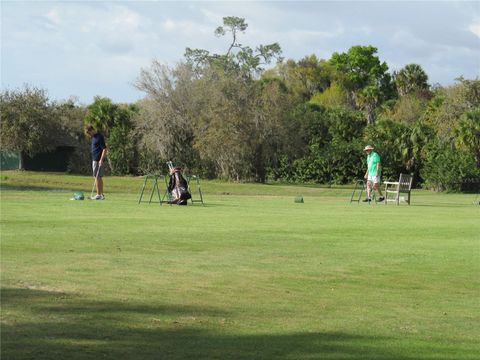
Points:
[6,187]
[54,325]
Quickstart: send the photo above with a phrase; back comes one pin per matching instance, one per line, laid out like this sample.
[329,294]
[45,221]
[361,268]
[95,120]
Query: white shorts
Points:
[96,171]
[374,179]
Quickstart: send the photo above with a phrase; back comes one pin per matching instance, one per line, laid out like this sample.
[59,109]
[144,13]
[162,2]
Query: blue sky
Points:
[88,48]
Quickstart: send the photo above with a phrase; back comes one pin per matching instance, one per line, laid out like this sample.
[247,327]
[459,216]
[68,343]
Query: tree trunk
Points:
[370,110]
[260,173]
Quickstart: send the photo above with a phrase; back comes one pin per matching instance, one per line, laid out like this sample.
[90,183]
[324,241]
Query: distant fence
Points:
[9,160]
[469,185]
[55,160]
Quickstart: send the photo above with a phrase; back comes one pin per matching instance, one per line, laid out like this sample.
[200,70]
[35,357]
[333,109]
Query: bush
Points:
[122,151]
[449,169]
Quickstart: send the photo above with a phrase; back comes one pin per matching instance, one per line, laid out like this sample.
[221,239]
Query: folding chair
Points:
[393,190]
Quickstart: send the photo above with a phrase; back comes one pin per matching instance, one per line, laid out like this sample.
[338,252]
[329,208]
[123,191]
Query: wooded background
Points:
[250,115]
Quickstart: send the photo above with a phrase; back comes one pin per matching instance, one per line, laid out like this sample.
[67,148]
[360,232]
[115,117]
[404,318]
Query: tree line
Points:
[250,115]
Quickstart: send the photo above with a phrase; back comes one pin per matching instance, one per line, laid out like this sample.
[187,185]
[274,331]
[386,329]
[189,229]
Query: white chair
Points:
[394,189]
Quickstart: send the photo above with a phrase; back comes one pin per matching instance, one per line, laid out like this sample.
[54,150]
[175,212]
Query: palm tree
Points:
[412,78]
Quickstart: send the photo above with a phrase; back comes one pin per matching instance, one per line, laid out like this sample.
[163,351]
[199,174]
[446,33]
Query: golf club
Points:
[94,183]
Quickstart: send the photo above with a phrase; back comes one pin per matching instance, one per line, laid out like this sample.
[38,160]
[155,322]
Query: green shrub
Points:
[449,169]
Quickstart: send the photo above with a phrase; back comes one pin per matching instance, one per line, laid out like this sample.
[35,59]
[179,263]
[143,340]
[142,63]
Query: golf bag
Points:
[178,188]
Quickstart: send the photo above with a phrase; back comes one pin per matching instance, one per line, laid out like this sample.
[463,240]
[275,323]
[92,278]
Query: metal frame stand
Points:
[198,189]
[360,187]
[167,194]
[154,178]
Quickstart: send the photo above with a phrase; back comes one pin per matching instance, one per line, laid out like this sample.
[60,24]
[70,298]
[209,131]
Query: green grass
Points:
[252,275]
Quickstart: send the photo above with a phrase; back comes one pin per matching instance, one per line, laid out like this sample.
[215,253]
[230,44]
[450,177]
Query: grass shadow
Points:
[55,325]
[8,187]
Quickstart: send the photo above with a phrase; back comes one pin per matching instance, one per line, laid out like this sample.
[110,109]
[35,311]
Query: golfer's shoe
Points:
[381,198]
[367,200]
[98,197]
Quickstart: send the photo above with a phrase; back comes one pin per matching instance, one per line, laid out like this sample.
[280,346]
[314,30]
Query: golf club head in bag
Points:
[171,165]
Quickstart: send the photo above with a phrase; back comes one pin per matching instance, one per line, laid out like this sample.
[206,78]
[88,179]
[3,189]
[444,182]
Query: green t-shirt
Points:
[372,160]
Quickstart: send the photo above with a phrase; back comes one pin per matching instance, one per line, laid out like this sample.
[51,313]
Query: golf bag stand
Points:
[357,191]
[155,190]
[360,187]
[195,189]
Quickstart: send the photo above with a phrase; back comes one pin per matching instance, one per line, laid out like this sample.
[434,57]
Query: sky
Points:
[81,49]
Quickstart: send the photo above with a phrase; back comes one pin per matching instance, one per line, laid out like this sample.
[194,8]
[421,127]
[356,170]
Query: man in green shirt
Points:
[373,173]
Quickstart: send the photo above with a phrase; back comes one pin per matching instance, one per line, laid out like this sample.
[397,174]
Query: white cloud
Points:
[169,25]
[110,29]
[185,28]
[475,28]
[98,47]
[367,30]
[53,16]
[213,17]
[308,35]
